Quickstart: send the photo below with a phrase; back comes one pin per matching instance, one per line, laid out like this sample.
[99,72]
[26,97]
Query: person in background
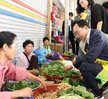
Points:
[105,5]
[98,16]
[81,15]
[92,63]
[71,35]
[55,56]
[27,59]
[11,71]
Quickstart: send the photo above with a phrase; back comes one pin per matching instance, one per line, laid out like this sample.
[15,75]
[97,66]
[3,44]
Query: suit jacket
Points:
[63,26]
[97,48]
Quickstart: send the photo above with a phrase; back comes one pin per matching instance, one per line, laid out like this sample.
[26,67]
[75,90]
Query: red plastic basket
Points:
[52,87]
[75,77]
[65,57]
[52,77]
[71,57]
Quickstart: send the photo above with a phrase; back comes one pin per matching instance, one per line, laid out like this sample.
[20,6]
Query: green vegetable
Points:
[70,96]
[68,54]
[40,73]
[55,69]
[77,82]
[74,73]
[67,80]
[79,90]
[22,84]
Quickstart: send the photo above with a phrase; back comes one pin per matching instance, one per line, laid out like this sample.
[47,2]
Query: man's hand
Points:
[68,68]
[74,60]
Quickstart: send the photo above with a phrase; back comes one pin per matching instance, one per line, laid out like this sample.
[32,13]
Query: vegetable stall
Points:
[67,84]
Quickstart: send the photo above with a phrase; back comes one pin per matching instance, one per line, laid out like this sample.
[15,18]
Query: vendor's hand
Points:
[34,71]
[43,83]
[35,78]
[68,68]
[25,92]
[74,60]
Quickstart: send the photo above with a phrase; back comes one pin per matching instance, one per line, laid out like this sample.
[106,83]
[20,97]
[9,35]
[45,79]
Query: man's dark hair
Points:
[105,4]
[25,43]
[81,23]
[45,38]
[6,37]
[70,14]
[90,2]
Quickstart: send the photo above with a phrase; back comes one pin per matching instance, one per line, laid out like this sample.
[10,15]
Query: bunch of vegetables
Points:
[22,84]
[56,68]
[70,96]
[67,80]
[66,63]
[74,73]
[79,90]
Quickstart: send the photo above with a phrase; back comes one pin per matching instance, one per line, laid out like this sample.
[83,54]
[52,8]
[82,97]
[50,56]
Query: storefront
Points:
[26,18]
[56,24]
[57,18]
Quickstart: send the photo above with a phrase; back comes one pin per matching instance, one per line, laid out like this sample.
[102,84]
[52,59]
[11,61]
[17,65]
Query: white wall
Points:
[100,1]
[72,6]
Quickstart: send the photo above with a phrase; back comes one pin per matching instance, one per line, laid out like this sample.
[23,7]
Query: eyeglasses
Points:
[77,32]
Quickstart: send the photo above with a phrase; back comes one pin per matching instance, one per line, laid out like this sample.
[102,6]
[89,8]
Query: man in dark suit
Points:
[97,48]
[71,35]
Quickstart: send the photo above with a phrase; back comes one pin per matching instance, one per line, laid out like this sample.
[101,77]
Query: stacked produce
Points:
[62,87]
[71,96]
[79,90]
[48,95]
[66,91]
[56,68]
[54,94]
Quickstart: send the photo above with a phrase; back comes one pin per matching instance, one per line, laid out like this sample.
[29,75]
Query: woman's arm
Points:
[27,92]
[35,78]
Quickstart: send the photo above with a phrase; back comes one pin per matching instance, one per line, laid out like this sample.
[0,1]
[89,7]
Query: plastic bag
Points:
[40,51]
[41,54]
